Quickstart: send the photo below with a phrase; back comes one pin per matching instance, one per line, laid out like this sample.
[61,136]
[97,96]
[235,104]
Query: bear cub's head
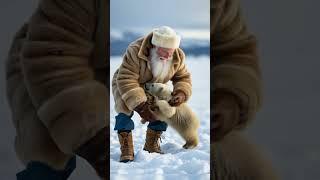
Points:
[159,90]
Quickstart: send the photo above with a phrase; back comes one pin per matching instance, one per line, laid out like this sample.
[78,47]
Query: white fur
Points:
[165,37]
[159,90]
[181,118]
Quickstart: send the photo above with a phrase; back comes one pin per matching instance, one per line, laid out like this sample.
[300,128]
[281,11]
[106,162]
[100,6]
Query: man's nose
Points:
[166,54]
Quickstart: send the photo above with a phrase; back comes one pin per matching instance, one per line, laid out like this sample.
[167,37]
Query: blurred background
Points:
[287,125]
[13,13]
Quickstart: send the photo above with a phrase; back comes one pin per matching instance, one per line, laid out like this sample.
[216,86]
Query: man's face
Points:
[164,53]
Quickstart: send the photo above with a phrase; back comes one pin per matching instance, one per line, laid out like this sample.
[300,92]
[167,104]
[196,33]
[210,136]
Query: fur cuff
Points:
[75,115]
[134,97]
[244,83]
[184,87]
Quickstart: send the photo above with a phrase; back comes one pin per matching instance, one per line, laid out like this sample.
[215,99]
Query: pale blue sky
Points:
[127,14]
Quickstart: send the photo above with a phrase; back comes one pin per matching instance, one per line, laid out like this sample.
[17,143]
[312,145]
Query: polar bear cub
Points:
[159,90]
[181,118]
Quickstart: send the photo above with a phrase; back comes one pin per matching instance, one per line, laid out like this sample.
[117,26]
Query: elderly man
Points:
[153,58]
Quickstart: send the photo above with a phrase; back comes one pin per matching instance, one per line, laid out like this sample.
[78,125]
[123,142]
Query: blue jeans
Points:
[37,170]
[125,123]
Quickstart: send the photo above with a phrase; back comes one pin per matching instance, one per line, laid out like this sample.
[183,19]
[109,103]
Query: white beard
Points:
[159,68]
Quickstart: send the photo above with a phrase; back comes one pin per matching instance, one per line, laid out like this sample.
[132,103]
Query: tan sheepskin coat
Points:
[135,71]
[236,70]
[56,79]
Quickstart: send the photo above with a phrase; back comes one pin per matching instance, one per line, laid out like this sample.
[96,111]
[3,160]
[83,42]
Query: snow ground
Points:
[176,162]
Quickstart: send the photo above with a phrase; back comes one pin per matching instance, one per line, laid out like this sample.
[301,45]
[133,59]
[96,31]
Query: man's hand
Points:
[178,97]
[226,111]
[144,111]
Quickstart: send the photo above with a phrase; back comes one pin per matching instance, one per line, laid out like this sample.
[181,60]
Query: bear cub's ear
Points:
[154,108]
[160,89]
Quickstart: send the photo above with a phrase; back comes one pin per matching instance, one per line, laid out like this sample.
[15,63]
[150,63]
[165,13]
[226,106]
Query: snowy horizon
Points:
[193,41]
[186,33]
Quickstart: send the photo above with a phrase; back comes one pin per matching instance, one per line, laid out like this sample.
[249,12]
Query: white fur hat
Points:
[165,37]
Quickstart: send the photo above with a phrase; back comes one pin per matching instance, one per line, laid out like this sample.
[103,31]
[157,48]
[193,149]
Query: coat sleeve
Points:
[57,72]
[182,79]
[235,64]
[128,79]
